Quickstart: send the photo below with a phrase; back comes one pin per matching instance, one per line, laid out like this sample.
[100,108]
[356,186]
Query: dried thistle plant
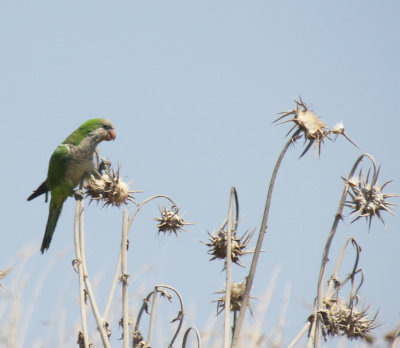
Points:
[170,221]
[218,246]
[311,126]
[367,198]
[109,188]
[237,292]
[138,341]
[339,319]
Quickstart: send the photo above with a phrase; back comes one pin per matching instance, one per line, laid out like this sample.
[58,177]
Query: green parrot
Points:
[69,164]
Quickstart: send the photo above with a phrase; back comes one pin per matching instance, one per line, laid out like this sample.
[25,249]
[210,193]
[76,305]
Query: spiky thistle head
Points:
[138,340]
[339,319]
[170,221]
[368,198]
[236,295]
[218,246]
[310,125]
[109,188]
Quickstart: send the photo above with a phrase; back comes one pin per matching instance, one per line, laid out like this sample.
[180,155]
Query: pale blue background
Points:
[192,89]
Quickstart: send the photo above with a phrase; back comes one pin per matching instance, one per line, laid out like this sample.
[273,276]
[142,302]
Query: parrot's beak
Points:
[111,135]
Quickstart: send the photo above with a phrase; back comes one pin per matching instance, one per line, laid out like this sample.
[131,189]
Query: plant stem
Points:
[152,314]
[144,307]
[78,213]
[299,335]
[118,267]
[100,324]
[331,282]
[325,255]
[257,251]
[124,277]
[311,336]
[185,336]
[227,329]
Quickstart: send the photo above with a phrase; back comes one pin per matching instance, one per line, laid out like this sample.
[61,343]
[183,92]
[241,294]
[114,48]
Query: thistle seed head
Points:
[367,198]
[138,340]
[109,188]
[237,293]
[170,221]
[218,244]
[340,320]
[310,125]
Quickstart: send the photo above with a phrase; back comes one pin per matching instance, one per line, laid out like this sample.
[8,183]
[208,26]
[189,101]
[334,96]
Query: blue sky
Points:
[192,89]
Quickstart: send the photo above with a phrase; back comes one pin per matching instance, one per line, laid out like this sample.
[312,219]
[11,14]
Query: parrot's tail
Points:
[54,214]
[39,191]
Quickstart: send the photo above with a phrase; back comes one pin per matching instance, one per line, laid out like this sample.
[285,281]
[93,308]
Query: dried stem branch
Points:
[334,276]
[90,294]
[78,263]
[181,313]
[124,279]
[299,335]
[154,295]
[325,254]
[152,316]
[231,224]
[311,336]
[257,251]
[118,266]
[185,336]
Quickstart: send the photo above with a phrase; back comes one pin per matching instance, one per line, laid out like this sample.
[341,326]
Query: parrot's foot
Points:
[104,165]
[78,194]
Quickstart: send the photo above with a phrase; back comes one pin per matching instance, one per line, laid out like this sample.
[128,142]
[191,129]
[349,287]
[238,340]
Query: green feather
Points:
[57,166]
[76,137]
[54,213]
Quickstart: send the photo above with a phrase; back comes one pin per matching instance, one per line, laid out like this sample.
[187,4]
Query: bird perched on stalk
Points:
[69,164]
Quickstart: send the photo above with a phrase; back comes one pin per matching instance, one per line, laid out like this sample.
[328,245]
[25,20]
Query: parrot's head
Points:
[97,129]
[106,131]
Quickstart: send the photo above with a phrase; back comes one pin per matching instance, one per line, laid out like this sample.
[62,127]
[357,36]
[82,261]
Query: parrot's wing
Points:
[58,166]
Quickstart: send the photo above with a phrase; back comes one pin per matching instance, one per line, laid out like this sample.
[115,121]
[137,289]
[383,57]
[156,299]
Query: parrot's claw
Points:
[78,194]
[104,165]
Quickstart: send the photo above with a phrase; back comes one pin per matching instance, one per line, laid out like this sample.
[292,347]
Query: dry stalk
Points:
[262,308]
[300,335]
[316,329]
[90,294]
[185,336]
[146,300]
[152,316]
[229,232]
[118,266]
[257,251]
[78,264]
[124,279]
[81,263]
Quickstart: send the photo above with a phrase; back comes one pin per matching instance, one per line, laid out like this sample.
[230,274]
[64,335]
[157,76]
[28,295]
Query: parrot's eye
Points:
[106,126]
